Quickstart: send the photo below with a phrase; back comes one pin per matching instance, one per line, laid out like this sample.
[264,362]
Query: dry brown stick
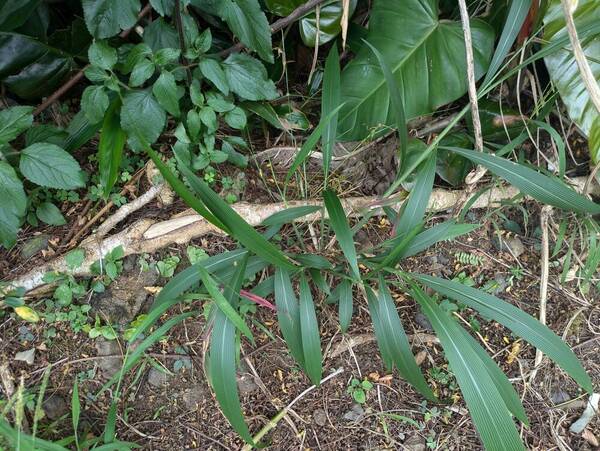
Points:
[296,14]
[79,75]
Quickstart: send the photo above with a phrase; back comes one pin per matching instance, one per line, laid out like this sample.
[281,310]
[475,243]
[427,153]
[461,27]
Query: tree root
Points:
[147,235]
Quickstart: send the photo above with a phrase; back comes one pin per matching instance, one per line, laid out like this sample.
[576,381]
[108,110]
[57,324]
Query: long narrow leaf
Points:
[311,340]
[488,410]
[330,99]
[223,304]
[222,360]
[345,306]
[514,20]
[398,342]
[26,441]
[447,230]
[543,188]
[238,228]
[382,338]
[75,411]
[397,104]
[311,142]
[110,147]
[339,224]
[413,213]
[516,320]
[288,314]
[290,214]
[505,388]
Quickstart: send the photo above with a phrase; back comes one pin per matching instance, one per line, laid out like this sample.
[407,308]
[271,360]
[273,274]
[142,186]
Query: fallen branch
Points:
[148,235]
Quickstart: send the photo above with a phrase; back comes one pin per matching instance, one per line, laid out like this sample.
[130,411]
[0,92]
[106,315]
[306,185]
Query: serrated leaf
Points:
[519,322]
[142,71]
[13,204]
[247,78]
[288,314]
[94,103]
[309,327]
[486,406]
[48,165]
[541,187]
[102,55]
[236,118]
[14,121]
[212,70]
[110,148]
[106,18]
[142,115]
[343,235]
[165,91]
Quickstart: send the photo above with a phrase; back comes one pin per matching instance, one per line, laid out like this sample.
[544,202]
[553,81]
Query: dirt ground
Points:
[166,402]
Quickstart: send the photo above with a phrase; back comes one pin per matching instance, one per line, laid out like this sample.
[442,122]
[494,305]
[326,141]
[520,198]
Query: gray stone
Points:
[192,397]
[415,443]
[158,378]
[512,245]
[55,407]
[34,245]
[123,300]
[423,322]
[320,417]
[246,384]
[355,413]
[109,366]
[559,396]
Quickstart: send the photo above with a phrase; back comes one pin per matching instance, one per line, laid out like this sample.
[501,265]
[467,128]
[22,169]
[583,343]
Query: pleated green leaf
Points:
[378,328]
[309,327]
[398,344]
[222,361]
[413,212]
[224,305]
[486,406]
[288,314]
[339,224]
[110,147]
[503,385]
[541,187]
[519,322]
[330,99]
[345,304]
[239,229]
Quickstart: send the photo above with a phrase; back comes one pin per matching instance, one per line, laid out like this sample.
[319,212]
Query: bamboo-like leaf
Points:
[397,340]
[543,188]
[26,441]
[514,20]
[75,411]
[180,188]
[390,260]
[311,340]
[339,224]
[396,101]
[110,147]
[222,360]
[223,304]
[288,314]
[313,261]
[503,385]
[238,228]
[330,99]
[519,322]
[310,143]
[345,305]
[380,335]
[486,406]
[447,230]
[414,211]
[290,214]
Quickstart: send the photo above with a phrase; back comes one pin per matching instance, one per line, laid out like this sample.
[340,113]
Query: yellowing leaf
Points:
[27,314]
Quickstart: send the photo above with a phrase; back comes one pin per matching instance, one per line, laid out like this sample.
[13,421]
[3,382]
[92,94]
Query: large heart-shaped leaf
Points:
[563,68]
[426,56]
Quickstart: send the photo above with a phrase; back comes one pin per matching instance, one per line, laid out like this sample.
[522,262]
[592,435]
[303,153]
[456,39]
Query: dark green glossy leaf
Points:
[14,13]
[519,322]
[426,56]
[329,26]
